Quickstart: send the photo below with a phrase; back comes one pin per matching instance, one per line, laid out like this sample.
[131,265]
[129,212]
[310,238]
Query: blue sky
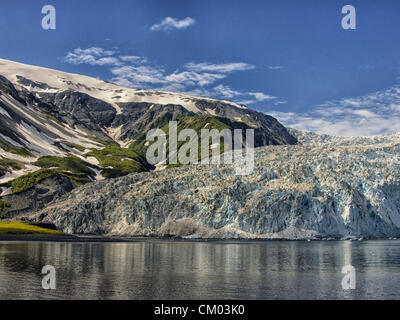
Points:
[291,59]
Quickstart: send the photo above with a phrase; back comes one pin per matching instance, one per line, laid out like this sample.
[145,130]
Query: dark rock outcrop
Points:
[37,197]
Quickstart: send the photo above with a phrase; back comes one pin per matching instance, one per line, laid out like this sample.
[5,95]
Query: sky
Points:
[288,58]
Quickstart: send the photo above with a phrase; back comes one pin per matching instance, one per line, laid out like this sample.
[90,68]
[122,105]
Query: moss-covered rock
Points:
[4,206]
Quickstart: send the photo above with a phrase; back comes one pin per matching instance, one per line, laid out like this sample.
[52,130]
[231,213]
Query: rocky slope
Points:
[295,192]
[92,108]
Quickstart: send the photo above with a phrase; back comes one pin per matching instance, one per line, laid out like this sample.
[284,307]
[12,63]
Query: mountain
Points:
[59,131]
[72,154]
[314,190]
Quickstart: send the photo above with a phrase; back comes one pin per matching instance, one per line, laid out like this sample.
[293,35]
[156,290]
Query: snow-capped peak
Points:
[48,80]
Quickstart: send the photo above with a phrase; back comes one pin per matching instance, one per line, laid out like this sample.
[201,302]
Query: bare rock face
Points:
[36,197]
[295,192]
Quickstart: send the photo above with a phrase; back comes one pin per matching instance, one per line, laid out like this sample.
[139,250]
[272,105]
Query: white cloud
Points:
[106,61]
[93,56]
[96,51]
[171,23]
[133,59]
[220,68]
[137,76]
[256,97]
[194,78]
[371,114]
[226,92]
[275,67]
[259,96]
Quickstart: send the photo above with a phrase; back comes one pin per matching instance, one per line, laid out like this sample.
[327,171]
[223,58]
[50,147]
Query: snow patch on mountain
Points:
[60,81]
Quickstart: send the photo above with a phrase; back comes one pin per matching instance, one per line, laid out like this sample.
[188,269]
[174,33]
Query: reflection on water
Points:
[201,270]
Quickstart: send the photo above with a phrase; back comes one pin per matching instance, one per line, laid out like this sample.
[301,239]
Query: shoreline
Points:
[58,238]
[115,239]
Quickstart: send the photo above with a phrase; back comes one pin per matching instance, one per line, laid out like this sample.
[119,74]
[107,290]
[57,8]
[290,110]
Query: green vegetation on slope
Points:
[195,123]
[74,146]
[114,160]
[16,150]
[117,161]
[3,206]
[160,122]
[22,228]
[30,180]
[5,164]
[105,143]
[71,163]
[71,167]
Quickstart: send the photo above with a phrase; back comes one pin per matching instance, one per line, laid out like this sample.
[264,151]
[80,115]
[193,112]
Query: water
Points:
[156,269]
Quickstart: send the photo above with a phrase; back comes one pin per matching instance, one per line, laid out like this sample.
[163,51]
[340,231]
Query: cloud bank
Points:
[371,114]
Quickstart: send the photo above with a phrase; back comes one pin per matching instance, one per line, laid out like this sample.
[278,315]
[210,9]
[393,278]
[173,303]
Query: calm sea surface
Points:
[156,269]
